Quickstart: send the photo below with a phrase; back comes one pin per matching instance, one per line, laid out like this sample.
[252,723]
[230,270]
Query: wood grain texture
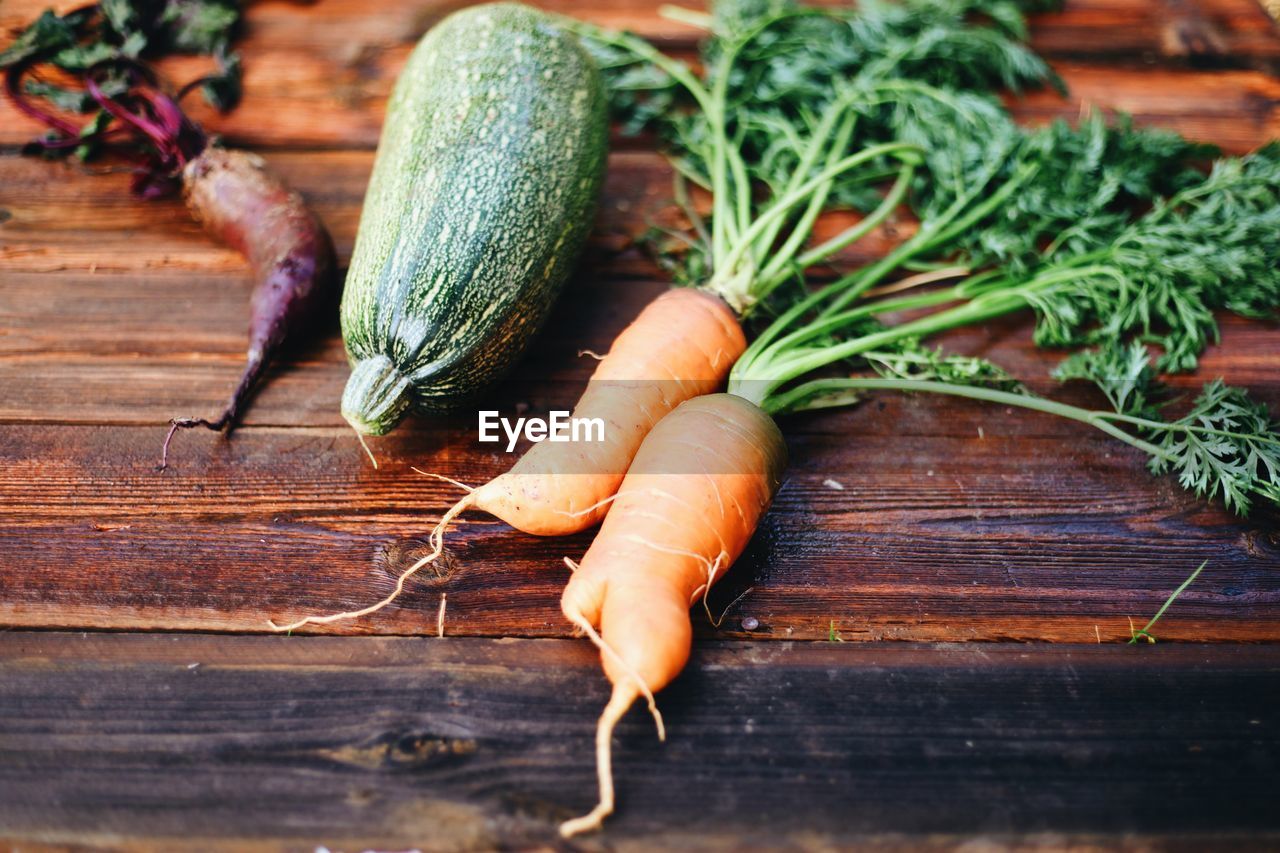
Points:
[932,536]
[946,521]
[147,742]
[320,74]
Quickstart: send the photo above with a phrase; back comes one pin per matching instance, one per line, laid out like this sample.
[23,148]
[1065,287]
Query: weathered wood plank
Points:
[146,742]
[139,349]
[1166,29]
[929,536]
[1237,110]
[319,76]
[1197,31]
[54,218]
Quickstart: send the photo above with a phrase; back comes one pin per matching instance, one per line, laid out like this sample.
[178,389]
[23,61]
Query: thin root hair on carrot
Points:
[450,480]
[693,511]
[723,613]
[590,509]
[591,354]
[440,615]
[706,589]
[712,566]
[437,549]
[642,688]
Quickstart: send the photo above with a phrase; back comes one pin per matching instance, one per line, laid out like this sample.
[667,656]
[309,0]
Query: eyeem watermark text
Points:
[557,426]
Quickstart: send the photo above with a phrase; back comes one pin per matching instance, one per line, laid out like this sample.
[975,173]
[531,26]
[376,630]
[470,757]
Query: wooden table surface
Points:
[937,521]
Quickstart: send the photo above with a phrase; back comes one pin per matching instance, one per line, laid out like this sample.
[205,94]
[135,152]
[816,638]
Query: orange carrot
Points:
[699,484]
[679,347]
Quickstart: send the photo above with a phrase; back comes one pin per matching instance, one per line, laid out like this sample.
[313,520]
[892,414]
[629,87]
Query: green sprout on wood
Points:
[1145,633]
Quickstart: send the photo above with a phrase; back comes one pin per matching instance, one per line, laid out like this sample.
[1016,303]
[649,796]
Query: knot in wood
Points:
[396,557]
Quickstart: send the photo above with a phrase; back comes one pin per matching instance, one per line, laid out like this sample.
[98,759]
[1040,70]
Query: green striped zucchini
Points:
[483,192]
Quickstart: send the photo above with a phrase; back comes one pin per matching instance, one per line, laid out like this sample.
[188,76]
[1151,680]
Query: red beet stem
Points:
[76,141]
[171,139]
[175,138]
[13,86]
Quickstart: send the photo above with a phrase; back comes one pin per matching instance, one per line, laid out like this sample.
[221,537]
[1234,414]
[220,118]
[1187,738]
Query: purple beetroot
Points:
[231,193]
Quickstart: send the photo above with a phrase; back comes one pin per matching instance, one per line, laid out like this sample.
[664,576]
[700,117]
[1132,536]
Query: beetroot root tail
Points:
[176,424]
[230,415]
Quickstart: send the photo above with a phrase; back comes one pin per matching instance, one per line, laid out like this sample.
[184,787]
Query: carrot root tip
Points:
[624,695]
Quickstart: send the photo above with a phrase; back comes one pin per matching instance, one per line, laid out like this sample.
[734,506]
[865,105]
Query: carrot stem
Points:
[1104,421]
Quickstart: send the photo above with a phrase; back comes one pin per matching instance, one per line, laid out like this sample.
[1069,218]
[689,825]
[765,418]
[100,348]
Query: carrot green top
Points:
[1112,235]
